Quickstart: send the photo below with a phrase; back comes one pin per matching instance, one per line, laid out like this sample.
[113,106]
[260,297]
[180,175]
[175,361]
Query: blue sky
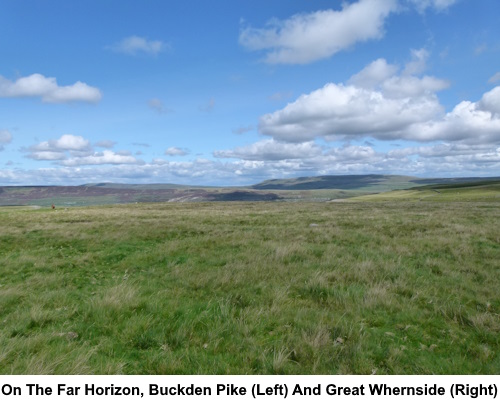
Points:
[235,92]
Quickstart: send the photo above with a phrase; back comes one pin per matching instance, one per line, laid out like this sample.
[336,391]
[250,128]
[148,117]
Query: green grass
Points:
[75,201]
[473,191]
[401,287]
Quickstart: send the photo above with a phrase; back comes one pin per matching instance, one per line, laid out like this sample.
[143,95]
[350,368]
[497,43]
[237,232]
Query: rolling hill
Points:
[320,188]
[470,190]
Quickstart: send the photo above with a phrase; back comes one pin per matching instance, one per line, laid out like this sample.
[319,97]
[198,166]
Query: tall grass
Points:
[251,288]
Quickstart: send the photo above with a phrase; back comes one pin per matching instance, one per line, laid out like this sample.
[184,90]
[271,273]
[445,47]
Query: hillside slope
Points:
[483,190]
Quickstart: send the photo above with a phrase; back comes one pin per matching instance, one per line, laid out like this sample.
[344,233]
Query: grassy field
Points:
[465,192]
[398,287]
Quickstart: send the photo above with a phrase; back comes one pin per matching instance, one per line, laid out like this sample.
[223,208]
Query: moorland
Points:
[404,282]
[322,188]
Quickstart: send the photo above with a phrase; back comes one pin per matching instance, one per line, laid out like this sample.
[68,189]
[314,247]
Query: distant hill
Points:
[355,182]
[469,190]
[99,194]
[320,188]
[152,186]
[349,182]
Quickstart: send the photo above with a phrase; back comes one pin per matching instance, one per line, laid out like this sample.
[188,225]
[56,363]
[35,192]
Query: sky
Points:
[231,93]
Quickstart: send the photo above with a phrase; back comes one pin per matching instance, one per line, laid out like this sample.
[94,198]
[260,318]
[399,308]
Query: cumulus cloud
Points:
[37,85]
[347,111]
[304,38]
[354,153]
[74,150]
[375,73]
[244,167]
[450,159]
[468,122]
[386,102]
[382,101]
[66,142]
[135,45]
[383,76]
[490,102]
[411,86]
[101,158]
[442,150]
[46,155]
[269,149]
[274,159]
[174,151]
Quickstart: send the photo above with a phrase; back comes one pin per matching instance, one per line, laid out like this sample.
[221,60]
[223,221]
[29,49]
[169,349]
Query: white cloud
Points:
[353,153]
[443,160]
[418,62]
[386,102]
[66,142]
[382,76]
[447,159]
[72,142]
[135,45]
[102,158]
[305,38]
[347,111]
[468,122]
[46,155]
[269,149]
[73,150]
[173,151]
[376,102]
[451,159]
[372,75]
[491,101]
[37,85]
[410,86]
[442,150]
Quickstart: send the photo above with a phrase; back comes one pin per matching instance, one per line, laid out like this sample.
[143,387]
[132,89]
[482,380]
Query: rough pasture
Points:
[398,288]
